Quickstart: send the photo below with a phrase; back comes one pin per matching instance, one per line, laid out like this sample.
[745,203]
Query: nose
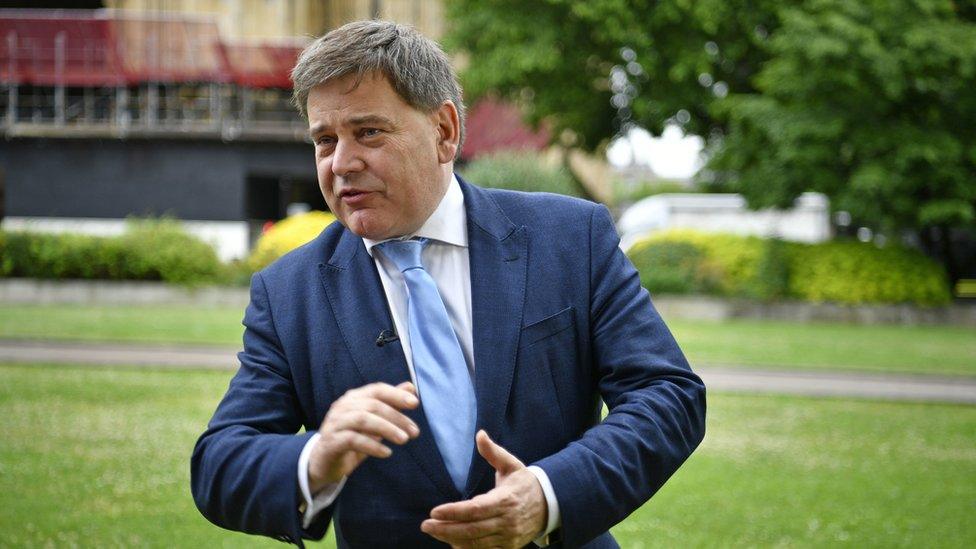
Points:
[346,159]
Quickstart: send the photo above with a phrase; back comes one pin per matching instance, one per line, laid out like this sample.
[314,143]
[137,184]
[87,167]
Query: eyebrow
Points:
[355,121]
[370,119]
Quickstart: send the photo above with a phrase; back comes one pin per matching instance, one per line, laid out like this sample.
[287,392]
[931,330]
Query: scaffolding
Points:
[108,73]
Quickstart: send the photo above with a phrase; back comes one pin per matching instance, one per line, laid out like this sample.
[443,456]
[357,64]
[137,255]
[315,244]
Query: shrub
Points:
[286,235]
[149,250]
[772,279]
[856,272]
[162,250]
[730,261]
[841,272]
[519,171]
[673,267]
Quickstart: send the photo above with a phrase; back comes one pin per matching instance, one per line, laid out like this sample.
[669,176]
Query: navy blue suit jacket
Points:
[560,322]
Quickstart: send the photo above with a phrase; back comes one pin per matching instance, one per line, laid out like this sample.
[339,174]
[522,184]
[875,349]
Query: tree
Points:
[870,101]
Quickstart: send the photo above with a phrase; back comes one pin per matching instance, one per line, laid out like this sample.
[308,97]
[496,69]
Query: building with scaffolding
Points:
[107,114]
[179,108]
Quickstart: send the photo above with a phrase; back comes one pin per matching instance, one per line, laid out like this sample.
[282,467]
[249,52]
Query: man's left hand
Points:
[510,515]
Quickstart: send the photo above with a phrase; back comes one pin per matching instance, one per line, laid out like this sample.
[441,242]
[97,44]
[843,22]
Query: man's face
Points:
[383,166]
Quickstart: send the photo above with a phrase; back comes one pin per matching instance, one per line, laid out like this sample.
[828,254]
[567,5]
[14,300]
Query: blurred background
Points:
[795,181]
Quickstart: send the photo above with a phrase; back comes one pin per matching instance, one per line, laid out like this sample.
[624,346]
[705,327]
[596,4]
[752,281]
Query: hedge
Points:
[847,272]
[148,250]
[856,272]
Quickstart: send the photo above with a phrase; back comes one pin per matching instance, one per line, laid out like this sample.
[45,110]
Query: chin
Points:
[369,230]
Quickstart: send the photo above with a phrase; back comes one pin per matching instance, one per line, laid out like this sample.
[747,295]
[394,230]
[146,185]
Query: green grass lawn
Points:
[944,350]
[100,457]
[153,324]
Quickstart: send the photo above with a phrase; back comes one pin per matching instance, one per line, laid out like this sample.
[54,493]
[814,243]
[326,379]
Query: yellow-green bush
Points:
[841,272]
[286,235]
[675,267]
[856,272]
[150,249]
[729,260]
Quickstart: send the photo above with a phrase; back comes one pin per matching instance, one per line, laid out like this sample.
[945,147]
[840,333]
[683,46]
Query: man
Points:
[436,335]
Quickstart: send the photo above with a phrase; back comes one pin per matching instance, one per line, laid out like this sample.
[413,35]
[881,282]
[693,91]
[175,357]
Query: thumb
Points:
[499,458]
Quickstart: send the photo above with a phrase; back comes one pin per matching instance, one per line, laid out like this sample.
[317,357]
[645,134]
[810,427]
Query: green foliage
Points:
[519,171]
[870,103]
[148,250]
[162,250]
[729,261]
[60,256]
[856,272]
[556,55]
[772,280]
[841,272]
[674,267]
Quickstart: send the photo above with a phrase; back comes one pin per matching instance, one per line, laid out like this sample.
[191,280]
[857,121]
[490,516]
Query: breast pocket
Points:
[548,327]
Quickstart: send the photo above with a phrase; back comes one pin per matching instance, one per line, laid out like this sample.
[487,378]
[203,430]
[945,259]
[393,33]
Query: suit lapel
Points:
[360,310]
[498,258]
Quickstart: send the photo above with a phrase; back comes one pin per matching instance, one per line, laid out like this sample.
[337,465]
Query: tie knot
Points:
[405,254]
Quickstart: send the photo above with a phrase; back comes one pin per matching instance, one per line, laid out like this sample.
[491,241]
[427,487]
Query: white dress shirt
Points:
[446,259]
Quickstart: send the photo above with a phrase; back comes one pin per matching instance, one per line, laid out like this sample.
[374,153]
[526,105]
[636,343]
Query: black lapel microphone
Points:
[386,336]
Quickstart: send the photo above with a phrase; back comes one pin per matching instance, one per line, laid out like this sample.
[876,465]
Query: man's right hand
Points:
[355,426]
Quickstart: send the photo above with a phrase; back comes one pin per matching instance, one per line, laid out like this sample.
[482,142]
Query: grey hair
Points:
[415,66]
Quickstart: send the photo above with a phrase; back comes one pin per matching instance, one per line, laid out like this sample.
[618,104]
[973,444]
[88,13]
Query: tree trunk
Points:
[577,182]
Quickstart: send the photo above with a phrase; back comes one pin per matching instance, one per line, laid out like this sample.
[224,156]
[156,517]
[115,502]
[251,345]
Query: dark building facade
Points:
[235,185]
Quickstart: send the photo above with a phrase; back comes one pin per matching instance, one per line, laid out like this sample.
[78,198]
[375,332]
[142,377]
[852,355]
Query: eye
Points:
[370,132]
[325,141]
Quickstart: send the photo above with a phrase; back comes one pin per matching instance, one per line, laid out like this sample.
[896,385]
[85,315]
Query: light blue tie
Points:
[443,380]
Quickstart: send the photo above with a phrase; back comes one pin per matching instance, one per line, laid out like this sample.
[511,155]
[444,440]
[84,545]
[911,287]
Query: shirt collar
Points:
[447,224]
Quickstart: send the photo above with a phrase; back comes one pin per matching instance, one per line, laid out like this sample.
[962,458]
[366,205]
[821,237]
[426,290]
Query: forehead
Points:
[342,99]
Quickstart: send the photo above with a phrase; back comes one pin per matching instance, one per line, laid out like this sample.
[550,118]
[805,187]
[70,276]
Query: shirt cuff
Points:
[553,505]
[325,496]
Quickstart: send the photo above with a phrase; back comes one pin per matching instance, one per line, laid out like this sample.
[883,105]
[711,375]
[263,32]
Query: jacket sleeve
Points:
[656,404]
[244,466]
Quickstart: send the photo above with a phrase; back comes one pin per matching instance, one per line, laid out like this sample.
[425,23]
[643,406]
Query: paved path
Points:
[720,378]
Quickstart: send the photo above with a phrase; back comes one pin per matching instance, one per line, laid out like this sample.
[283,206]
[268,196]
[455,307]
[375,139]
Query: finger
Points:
[369,424]
[349,441]
[399,397]
[496,456]
[463,532]
[408,386]
[392,415]
[481,507]
[356,400]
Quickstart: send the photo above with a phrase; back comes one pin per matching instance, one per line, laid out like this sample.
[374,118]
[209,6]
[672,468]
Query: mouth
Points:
[353,196]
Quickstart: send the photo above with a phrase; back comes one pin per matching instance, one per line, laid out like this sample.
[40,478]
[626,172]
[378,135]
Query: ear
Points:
[448,131]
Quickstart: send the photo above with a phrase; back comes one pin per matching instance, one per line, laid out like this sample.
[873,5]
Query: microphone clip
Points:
[386,336]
